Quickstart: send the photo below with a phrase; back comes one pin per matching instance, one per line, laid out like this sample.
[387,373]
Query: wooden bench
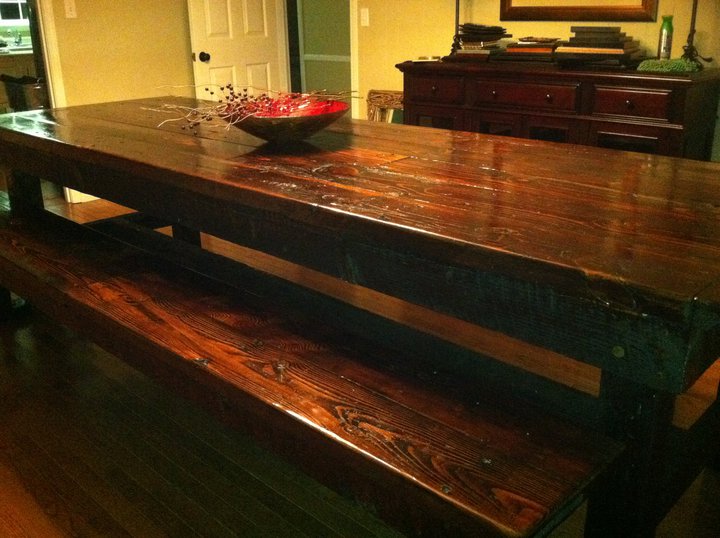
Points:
[432,458]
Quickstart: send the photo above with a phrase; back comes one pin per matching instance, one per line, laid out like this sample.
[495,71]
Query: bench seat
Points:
[427,460]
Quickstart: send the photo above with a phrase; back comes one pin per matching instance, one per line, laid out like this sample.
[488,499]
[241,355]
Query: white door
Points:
[243,42]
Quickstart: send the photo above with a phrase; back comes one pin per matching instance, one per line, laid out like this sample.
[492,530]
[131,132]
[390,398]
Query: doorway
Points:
[22,66]
[23,78]
[319,40]
[239,42]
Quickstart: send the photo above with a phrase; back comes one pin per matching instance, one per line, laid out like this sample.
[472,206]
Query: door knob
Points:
[204,57]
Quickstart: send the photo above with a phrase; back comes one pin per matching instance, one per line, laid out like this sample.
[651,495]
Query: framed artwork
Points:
[578,10]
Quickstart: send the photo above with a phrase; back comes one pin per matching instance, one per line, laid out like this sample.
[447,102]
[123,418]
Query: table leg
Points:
[25,195]
[641,418]
[24,192]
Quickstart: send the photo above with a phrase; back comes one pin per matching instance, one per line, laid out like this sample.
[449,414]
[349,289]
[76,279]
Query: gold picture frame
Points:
[578,10]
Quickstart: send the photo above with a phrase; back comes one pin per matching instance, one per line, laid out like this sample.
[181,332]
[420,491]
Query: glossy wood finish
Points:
[622,109]
[91,447]
[610,258]
[72,413]
[427,461]
[513,219]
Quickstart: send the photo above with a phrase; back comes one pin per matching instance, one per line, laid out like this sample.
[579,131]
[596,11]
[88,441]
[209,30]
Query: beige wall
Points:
[123,49]
[399,31]
[402,30]
[134,48]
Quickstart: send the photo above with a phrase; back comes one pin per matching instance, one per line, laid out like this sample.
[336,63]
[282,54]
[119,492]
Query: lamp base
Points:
[691,54]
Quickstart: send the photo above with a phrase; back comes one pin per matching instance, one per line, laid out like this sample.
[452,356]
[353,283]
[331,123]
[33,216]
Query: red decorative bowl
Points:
[291,125]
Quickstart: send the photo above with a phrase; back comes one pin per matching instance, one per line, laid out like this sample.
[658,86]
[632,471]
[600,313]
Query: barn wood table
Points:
[611,259]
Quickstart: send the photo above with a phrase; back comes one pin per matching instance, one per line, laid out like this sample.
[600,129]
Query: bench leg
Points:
[186,234]
[641,418]
[6,304]
[9,304]
[714,461]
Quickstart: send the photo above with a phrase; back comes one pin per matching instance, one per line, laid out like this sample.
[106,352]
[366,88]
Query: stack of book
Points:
[530,49]
[599,45]
[480,40]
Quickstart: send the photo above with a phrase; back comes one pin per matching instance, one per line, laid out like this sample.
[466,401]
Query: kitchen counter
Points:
[16,62]
[22,50]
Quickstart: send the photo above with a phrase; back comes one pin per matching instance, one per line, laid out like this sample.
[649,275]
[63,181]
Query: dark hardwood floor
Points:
[90,447]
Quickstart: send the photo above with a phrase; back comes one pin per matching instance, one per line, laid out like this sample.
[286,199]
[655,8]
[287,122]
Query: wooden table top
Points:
[632,235]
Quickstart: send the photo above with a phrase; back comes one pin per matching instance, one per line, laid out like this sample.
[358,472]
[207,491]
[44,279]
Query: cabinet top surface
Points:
[551,70]
[574,216]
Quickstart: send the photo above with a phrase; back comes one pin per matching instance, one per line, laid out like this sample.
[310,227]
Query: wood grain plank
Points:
[231,457]
[84,418]
[22,517]
[254,358]
[442,175]
[75,511]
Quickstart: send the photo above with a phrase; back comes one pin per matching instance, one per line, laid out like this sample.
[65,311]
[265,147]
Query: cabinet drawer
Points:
[539,96]
[445,90]
[632,102]
[658,139]
[442,117]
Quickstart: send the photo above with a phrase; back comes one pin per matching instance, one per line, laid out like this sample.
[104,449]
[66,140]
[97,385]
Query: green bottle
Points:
[666,33]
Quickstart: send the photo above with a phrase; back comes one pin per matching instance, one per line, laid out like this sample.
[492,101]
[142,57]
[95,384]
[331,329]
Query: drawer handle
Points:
[629,104]
[494,94]
[434,89]
[549,98]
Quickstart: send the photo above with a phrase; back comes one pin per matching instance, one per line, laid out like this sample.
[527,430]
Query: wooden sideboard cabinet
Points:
[652,113]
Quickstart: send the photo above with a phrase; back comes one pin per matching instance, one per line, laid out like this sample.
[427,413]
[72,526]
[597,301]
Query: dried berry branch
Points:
[235,105]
